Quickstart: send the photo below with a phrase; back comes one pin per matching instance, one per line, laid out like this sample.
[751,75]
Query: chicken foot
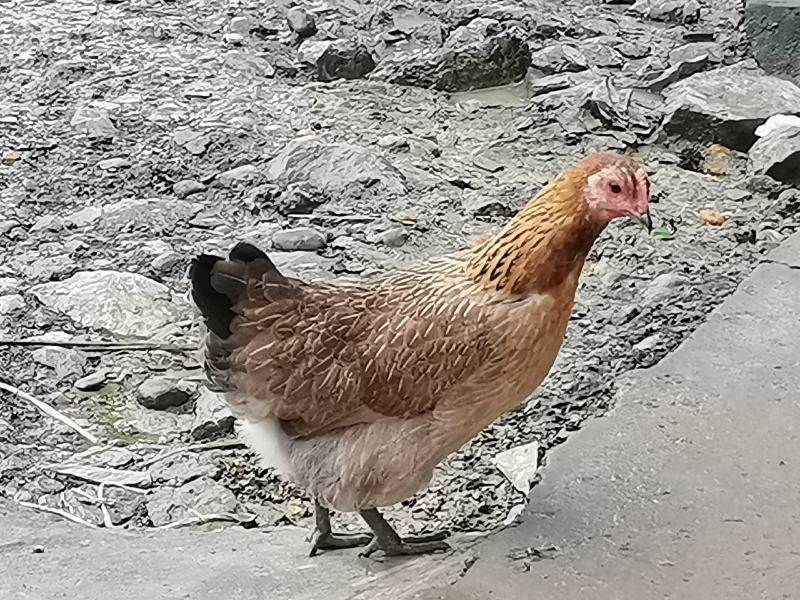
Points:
[388,540]
[323,537]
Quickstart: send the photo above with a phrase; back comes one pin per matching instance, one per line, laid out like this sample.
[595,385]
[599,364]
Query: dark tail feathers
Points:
[219,284]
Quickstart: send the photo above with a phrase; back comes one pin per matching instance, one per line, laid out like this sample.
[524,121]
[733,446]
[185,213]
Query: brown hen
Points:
[358,392]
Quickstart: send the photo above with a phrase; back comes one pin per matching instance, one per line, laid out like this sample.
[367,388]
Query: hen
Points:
[358,392]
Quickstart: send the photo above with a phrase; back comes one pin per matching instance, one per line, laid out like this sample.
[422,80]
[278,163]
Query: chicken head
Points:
[617,187]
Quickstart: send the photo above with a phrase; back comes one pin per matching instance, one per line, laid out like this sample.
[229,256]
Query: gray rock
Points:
[393,142]
[300,238]
[177,470]
[8,285]
[497,60]
[558,58]
[213,417]
[773,28]
[662,288]
[7,225]
[394,238]
[112,164]
[241,25]
[161,393]
[658,81]
[48,268]
[694,50]
[238,175]
[310,51]
[11,303]
[164,262]
[303,265]
[726,105]
[187,187]
[202,496]
[777,151]
[601,52]
[48,223]
[675,11]
[126,304]
[84,216]
[344,59]
[66,362]
[333,167]
[91,382]
[301,22]
[193,141]
[93,122]
[473,32]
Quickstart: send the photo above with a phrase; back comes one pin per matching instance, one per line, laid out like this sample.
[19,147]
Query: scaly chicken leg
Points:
[323,537]
[388,540]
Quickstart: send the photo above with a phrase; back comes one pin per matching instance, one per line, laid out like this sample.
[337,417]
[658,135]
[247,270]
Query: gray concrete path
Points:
[689,489]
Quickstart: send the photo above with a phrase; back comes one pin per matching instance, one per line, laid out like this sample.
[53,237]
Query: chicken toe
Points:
[324,539]
[390,543]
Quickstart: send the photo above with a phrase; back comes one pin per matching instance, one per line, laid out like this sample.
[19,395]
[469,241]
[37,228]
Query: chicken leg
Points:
[388,540]
[324,539]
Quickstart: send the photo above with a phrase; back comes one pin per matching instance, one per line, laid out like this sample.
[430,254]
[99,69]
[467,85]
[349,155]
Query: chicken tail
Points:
[218,285]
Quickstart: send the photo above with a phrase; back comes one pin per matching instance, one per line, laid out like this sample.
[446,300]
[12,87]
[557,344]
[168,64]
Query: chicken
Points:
[358,392]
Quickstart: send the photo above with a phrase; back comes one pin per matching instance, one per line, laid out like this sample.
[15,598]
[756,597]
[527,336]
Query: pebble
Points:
[10,304]
[394,238]
[161,393]
[242,174]
[93,122]
[301,22]
[187,187]
[241,25]
[213,417]
[165,262]
[7,225]
[393,142]
[91,382]
[662,288]
[300,238]
[8,285]
[66,362]
[110,164]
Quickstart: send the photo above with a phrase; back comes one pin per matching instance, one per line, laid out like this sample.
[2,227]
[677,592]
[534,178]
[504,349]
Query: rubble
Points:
[497,60]
[773,30]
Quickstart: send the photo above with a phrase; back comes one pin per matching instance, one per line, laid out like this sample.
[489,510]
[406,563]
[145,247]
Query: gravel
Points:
[136,135]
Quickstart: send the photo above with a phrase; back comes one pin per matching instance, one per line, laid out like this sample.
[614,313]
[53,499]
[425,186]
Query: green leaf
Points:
[662,233]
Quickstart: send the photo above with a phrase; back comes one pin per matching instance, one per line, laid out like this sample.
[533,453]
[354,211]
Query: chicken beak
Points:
[644,220]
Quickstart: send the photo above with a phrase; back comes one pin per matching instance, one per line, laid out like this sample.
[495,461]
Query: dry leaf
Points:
[712,217]
[9,156]
[717,158]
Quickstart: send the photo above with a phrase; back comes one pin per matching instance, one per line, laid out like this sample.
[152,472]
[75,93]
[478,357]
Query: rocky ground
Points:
[348,138]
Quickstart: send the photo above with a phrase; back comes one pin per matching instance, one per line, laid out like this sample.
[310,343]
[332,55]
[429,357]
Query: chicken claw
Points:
[324,539]
[387,540]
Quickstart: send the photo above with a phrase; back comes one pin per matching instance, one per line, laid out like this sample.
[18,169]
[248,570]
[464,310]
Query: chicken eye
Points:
[615,187]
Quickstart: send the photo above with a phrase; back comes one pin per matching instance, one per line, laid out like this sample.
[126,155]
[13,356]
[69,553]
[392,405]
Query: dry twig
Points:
[48,410]
[99,345]
[56,511]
